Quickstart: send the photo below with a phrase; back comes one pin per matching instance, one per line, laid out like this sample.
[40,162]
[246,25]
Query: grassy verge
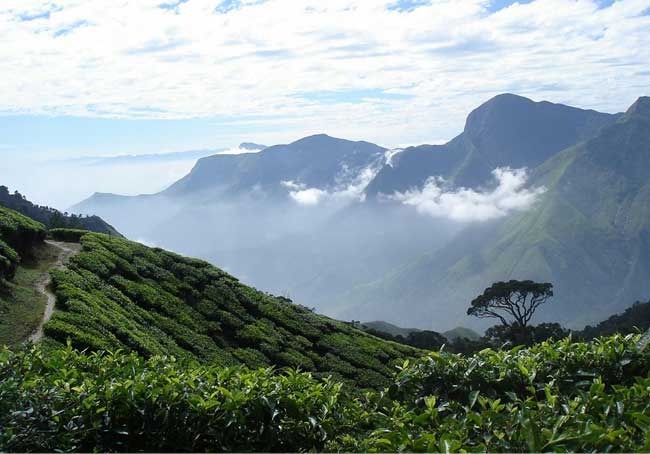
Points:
[21,305]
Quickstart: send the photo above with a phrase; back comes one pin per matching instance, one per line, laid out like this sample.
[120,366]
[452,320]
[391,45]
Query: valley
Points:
[360,232]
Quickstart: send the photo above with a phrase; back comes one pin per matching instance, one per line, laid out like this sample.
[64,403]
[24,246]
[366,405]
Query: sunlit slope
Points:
[120,294]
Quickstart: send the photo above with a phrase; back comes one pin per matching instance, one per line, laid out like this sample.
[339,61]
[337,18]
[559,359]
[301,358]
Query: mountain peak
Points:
[641,107]
[316,137]
[493,111]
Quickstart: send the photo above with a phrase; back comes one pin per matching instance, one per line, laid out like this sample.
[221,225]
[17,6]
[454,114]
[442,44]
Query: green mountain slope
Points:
[120,294]
[589,234]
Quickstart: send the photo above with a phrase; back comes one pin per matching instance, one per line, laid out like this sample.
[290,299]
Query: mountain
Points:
[311,167]
[389,328]
[51,217]
[461,332]
[589,234]
[506,131]
[318,161]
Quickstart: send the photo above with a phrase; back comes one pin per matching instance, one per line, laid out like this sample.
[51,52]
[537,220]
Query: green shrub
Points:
[67,235]
[62,400]
[19,232]
[524,400]
[9,261]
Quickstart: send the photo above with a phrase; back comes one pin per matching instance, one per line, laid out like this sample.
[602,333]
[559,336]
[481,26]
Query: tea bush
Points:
[18,231]
[18,235]
[63,400]
[560,396]
[68,235]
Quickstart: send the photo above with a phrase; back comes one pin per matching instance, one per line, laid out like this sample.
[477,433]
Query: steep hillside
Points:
[507,130]
[51,217]
[119,294]
[589,235]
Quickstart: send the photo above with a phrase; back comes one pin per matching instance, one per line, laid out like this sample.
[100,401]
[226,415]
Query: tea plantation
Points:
[117,294]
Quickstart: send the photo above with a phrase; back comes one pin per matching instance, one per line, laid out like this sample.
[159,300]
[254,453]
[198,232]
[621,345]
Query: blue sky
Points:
[89,77]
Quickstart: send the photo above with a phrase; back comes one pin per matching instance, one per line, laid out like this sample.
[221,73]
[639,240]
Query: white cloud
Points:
[292,185]
[350,187]
[422,71]
[469,205]
[304,195]
[239,150]
[390,154]
[310,196]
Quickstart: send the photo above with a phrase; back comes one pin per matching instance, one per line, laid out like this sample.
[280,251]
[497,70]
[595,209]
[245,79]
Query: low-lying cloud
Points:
[470,205]
[346,191]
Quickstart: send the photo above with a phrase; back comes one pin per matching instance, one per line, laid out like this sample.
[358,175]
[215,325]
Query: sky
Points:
[99,78]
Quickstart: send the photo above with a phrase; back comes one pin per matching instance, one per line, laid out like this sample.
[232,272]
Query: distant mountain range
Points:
[317,218]
[318,161]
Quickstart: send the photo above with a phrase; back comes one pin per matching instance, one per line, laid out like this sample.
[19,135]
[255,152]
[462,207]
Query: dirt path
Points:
[67,250]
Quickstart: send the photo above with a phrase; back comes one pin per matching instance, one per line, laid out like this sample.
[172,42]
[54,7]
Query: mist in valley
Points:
[317,245]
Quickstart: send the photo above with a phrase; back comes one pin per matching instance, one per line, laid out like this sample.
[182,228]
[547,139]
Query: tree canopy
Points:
[513,302]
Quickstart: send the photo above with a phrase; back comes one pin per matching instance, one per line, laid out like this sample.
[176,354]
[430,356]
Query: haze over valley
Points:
[362,232]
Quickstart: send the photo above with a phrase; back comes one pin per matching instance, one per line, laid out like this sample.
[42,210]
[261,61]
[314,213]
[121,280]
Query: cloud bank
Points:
[469,205]
[383,70]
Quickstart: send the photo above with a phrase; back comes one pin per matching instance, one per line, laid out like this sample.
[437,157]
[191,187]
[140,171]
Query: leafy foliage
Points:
[517,299]
[561,396]
[62,400]
[18,235]
[118,294]
[67,235]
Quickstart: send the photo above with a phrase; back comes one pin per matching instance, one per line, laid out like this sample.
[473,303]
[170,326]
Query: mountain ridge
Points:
[589,234]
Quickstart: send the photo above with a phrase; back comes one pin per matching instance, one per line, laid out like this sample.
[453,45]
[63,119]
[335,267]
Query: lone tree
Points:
[512,302]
